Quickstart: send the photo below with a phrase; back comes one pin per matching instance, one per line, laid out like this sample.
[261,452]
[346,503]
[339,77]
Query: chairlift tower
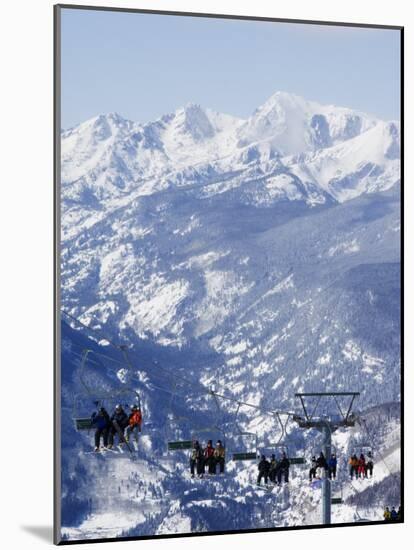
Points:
[326,424]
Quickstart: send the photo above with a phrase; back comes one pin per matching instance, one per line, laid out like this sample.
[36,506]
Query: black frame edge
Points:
[402,276]
[230,16]
[56,274]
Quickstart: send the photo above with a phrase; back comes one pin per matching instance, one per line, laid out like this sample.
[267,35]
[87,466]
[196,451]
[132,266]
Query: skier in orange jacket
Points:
[353,466]
[134,422]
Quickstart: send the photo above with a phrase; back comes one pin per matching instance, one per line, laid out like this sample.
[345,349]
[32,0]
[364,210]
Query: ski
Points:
[121,436]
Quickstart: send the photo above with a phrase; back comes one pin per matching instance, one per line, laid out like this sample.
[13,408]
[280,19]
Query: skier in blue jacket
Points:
[101,422]
[332,463]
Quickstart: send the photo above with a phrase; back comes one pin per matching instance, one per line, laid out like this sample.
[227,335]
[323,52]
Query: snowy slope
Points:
[265,294]
[108,495]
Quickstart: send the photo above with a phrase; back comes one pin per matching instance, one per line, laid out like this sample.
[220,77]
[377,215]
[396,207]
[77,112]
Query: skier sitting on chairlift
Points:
[273,469]
[101,423]
[209,457]
[353,466]
[196,459]
[219,457]
[313,468]
[369,467]
[283,470]
[119,421]
[263,467]
[201,463]
[134,423]
[322,462]
[361,466]
[332,463]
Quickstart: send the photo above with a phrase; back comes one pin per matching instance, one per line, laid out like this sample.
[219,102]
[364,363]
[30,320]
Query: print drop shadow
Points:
[42,532]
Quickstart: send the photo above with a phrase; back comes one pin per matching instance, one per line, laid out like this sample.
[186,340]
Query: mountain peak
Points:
[115,117]
[281,95]
[192,119]
[284,101]
[193,107]
[190,109]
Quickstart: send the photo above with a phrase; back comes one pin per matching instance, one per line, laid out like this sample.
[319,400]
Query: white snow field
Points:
[260,257]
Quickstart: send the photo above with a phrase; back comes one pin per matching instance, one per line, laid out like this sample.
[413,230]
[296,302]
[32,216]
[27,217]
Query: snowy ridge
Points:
[108,157]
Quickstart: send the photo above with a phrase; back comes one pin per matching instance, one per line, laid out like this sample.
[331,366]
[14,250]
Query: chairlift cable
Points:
[156,364]
[264,410]
[93,330]
[200,387]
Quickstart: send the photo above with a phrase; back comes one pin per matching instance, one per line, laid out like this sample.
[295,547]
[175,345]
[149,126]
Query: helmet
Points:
[134,407]
[118,407]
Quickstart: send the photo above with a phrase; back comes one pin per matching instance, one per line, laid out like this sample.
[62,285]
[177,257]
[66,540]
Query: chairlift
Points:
[84,405]
[241,444]
[209,433]
[180,426]
[277,449]
[175,440]
[363,448]
[317,449]
[213,433]
[244,446]
[281,447]
[93,399]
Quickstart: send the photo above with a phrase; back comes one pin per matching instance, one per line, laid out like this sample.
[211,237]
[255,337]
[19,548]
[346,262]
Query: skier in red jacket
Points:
[209,457]
[361,466]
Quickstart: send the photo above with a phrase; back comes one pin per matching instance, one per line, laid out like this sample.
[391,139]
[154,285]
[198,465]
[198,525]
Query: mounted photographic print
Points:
[228,274]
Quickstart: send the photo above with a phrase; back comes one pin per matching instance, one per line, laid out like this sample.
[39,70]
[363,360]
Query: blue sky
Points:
[143,66]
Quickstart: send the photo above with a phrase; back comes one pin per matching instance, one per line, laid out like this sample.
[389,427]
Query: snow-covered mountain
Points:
[185,251]
[261,256]
[322,152]
[293,125]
